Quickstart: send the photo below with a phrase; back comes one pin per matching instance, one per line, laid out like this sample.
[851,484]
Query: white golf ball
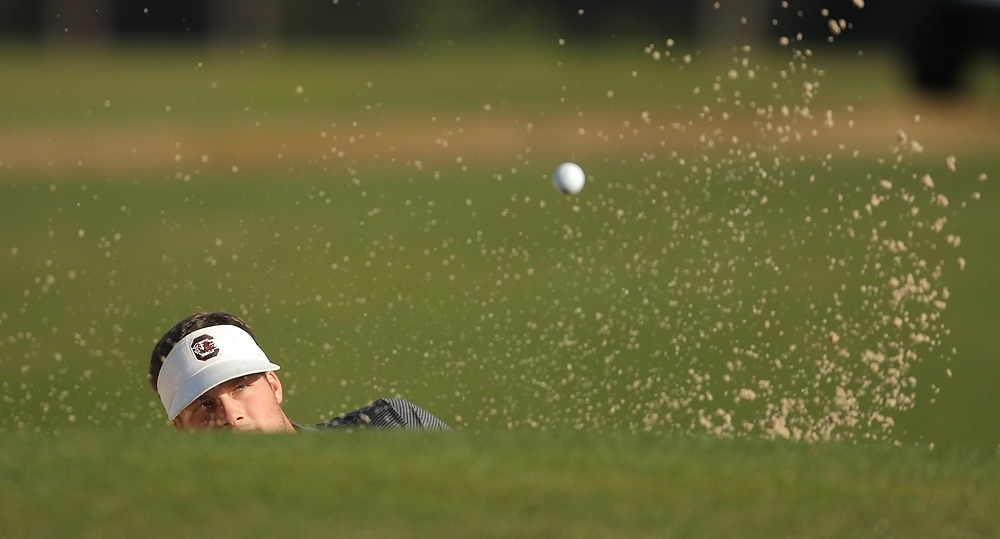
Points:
[569,178]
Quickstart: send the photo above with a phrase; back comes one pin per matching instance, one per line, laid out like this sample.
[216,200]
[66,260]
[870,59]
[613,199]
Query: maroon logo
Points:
[204,347]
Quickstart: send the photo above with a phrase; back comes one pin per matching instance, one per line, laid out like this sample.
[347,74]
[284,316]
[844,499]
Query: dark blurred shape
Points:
[70,19]
[351,20]
[160,19]
[244,19]
[937,40]
[600,20]
[20,19]
[875,22]
[941,37]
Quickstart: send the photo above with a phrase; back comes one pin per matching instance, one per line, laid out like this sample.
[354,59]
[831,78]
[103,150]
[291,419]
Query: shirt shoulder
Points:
[387,413]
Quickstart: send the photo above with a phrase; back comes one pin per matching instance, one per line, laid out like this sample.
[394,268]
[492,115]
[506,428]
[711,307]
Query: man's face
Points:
[247,403]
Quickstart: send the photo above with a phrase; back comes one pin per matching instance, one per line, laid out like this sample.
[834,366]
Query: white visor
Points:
[204,359]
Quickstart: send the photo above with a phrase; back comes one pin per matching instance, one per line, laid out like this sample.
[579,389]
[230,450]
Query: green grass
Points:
[122,483]
[427,256]
[431,258]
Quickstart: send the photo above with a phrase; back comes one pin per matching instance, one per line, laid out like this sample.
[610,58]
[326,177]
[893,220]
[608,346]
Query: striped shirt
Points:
[383,414]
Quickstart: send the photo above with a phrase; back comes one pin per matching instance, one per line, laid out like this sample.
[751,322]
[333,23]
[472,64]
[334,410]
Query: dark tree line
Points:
[388,19]
[935,37]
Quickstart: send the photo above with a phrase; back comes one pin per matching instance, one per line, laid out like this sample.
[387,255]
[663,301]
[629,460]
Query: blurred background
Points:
[937,40]
[366,182]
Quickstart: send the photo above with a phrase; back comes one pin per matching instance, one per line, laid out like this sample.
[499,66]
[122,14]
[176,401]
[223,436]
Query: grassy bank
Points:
[525,484]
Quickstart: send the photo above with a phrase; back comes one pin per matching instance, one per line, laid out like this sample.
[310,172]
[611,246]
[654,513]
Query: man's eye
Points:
[206,406]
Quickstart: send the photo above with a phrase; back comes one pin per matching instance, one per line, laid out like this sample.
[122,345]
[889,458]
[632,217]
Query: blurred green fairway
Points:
[512,484]
[384,220]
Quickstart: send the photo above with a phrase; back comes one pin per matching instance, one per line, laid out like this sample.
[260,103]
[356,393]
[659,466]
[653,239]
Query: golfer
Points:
[210,374]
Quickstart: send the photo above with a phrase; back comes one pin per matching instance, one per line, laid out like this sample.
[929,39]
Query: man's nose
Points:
[230,411]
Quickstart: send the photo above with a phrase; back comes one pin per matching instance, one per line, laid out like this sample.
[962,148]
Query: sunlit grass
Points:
[384,219]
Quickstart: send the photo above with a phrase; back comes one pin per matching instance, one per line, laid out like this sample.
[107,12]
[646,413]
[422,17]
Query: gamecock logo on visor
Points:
[204,347]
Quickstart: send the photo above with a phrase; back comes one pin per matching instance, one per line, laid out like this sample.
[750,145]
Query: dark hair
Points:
[190,324]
